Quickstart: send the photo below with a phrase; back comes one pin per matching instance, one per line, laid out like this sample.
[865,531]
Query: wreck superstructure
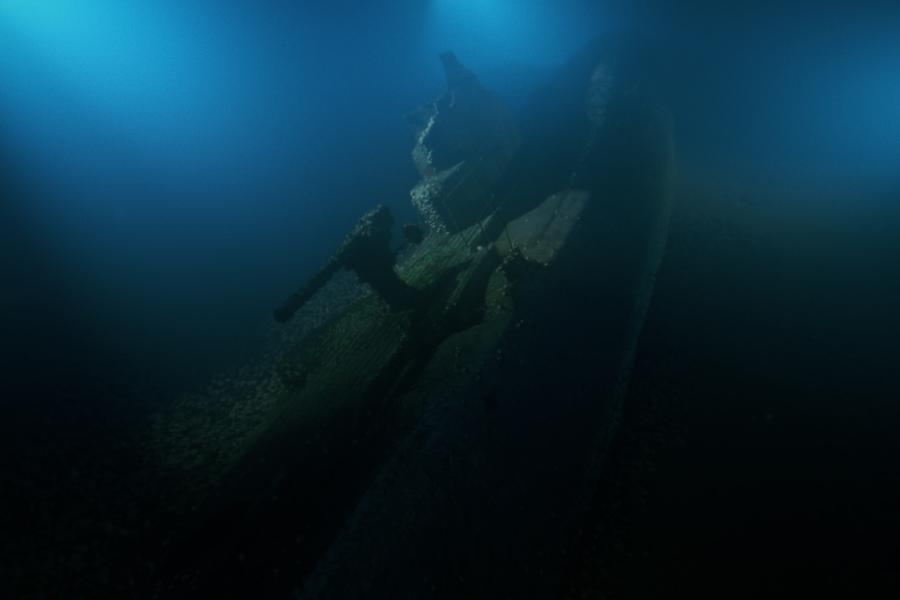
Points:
[463,142]
[445,447]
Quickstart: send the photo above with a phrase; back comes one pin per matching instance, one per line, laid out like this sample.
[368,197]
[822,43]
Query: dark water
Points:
[170,172]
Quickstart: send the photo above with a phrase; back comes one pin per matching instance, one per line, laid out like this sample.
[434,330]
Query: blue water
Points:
[184,163]
[171,170]
[170,151]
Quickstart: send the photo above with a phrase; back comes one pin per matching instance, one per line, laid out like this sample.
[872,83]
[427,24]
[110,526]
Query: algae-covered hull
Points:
[447,449]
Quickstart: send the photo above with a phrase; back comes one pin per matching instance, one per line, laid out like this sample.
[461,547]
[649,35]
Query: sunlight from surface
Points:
[148,73]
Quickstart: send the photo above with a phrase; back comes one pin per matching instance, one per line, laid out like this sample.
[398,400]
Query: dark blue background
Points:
[171,170]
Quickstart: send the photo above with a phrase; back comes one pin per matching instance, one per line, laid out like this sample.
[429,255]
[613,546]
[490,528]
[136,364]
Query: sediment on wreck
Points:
[464,140]
[479,500]
[457,438]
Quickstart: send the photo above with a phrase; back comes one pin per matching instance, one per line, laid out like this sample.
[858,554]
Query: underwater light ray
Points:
[166,77]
